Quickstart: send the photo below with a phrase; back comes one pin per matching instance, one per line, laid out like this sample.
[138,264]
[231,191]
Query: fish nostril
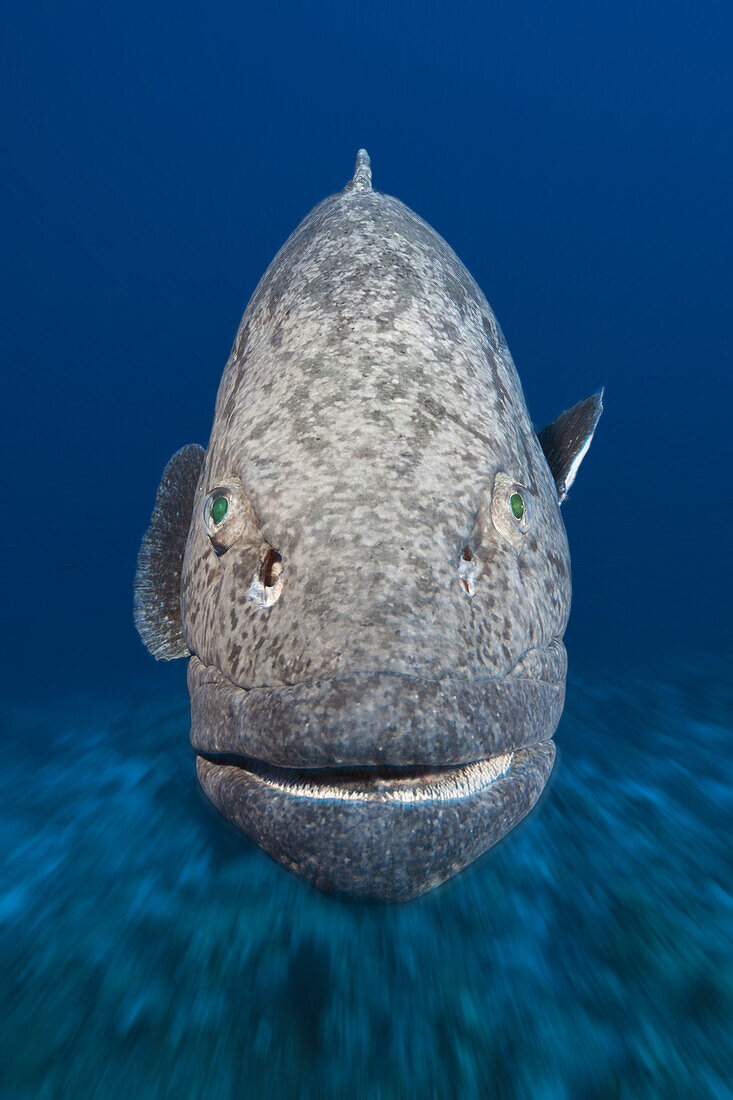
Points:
[267,583]
[467,571]
[270,568]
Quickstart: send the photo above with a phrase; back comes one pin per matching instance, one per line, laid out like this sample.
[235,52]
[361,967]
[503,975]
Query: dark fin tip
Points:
[566,440]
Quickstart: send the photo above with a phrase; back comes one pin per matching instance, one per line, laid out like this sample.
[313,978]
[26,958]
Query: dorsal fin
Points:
[362,179]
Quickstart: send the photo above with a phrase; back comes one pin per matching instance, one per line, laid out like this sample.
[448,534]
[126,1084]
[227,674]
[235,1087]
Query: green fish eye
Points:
[517,505]
[219,508]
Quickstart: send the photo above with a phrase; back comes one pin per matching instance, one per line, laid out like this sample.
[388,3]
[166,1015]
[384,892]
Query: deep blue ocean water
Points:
[578,159]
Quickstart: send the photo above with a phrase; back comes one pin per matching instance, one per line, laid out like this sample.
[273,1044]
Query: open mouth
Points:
[378,783]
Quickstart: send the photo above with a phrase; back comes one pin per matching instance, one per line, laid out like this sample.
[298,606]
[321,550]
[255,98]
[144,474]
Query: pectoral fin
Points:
[159,563]
[566,440]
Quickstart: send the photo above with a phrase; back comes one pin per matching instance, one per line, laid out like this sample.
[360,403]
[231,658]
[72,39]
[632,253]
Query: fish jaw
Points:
[380,845]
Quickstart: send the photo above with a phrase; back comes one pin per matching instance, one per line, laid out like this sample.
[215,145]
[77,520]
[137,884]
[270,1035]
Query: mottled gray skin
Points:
[371,417]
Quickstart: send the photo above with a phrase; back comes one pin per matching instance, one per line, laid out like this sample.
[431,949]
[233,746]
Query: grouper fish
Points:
[367,566]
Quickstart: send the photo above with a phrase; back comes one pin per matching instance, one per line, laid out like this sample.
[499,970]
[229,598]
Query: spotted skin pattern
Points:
[369,409]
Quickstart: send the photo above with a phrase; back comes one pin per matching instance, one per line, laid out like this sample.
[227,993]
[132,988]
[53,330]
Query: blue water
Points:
[578,159]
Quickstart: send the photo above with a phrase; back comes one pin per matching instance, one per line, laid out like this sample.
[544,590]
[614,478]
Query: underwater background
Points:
[578,158]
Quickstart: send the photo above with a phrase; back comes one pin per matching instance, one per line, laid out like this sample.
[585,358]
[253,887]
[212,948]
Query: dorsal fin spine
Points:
[362,179]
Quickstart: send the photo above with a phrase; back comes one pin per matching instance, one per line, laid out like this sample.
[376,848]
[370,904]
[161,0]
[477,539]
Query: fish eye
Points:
[511,508]
[219,508]
[224,517]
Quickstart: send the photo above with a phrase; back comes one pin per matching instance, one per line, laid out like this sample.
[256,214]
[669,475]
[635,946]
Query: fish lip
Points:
[371,783]
[367,719]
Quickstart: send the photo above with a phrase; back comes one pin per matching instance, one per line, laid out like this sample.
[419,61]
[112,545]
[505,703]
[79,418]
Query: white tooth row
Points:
[459,782]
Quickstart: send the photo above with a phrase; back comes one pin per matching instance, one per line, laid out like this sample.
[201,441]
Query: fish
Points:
[367,566]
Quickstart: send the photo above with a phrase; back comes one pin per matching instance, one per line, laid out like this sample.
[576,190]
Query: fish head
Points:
[376,575]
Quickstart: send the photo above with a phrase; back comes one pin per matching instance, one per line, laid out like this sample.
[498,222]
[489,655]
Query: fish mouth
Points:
[377,785]
[372,719]
[406,785]
[381,836]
